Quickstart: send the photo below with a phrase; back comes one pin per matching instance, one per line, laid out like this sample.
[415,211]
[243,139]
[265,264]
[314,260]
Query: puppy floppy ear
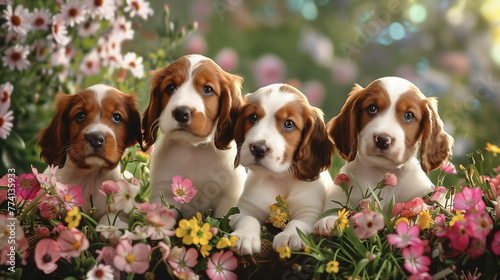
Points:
[343,129]
[134,123]
[315,151]
[239,131]
[229,106]
[54,138]
[152,113]
[436,143]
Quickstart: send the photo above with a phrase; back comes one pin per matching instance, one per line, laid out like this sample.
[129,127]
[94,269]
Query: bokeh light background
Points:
[450,49]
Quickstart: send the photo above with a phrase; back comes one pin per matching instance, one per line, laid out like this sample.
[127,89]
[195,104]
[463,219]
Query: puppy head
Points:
[278,131]
[385,122]
[92,128]
[193,100]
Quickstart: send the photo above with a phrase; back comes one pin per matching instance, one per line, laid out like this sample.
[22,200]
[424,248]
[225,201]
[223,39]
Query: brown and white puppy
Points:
[87,138]
[379,130]
[283,142]
[194,104]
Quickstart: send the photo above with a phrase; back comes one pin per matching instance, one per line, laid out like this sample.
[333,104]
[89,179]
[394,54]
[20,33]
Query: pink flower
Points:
[415,260]
[47,253]
[42,231]
[479,225]
[163,221]
[58,229]
[106,255]
[368,224]
[70,195]
[476,248]
[458,236]
[315,92]
[183,191]
[440,225]
[221,266]
[165,250]
[438,192]
[448,167]
[409,209]
[132,258]
[27,186]
[405,236]
[50,207]
[495,244]
[91,63]
[468,199]
[269,69]
[109,187]
[342,178]
[72,242]
[390,180]
[227,59]
[145,206]
[183,261]
[420,276]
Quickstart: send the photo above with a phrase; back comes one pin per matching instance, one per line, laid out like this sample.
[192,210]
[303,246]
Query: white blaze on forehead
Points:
[271,99]
[100,92]
[395,87]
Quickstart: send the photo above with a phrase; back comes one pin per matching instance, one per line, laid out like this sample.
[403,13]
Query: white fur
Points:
[211,171]
[268,178]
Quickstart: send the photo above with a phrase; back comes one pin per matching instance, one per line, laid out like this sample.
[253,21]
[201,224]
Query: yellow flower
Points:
[232,240]
[73,218]
[458,217]
[223,243]
[424,220]
[492,148]
[205,250]
[307,249]
[285,251]
[186,229]
[202,234]
[278,213]
[401,219]
[342,222]
[332,266]
[142,156]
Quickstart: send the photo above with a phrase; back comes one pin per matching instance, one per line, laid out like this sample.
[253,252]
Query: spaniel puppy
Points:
[194,104]
[283,142]
[379,130]
[87,138]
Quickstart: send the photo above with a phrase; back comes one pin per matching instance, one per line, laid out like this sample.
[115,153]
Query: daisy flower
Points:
[5,93]
[39,48]
[73,12]
[221,266]
[134,64]
[91,63]
[101,9]
[88,28]
[15,57]
[138,7]
[59,30]
[6,118]
[100,272]
[40,19]
[17,19]
[13,37]
[183,191]
[123,28]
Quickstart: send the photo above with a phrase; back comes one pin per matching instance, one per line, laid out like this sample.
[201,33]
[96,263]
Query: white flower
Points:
[15,57]
[39,47]
[109,233]
[59,30]
[5,93]
[134,64]
[40,19]
[138,7]
[58,57]
[139,232]
[122,29]
[6,118]
[13,37]
[91,63]
[104,9]
[17,20]
[73,12]
[88,28]
[124,199]
[100,272]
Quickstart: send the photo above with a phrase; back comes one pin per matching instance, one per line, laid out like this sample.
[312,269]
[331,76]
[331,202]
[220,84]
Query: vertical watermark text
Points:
[11,220]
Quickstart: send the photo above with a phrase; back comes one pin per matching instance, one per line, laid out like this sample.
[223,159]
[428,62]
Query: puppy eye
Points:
[207,90]
[288,125]
[117,118]
[170,89]
[80,117]
[409,117]
[252,118]
[372,109]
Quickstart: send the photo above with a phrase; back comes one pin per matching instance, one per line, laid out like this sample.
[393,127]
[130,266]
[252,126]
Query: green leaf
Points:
[15,141]
[224,223]
[88,264]
[359,266]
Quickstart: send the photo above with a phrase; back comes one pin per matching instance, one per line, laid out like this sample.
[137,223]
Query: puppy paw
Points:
[247,244]
[325,226]
[292,240]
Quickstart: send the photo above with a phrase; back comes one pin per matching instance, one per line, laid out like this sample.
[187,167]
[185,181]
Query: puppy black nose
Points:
[382,141]
[258,150]
[96,139]
[182,114]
